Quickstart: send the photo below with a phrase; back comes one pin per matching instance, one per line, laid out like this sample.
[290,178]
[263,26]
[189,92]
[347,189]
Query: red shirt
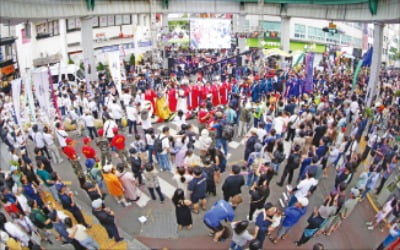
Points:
[118,142]
[224,93]
[215,95]
[70,152]
[88,152]
[202,114]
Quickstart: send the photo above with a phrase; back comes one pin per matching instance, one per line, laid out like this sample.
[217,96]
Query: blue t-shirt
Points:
[198,186]
[222,210]
[293,215]
[261,223]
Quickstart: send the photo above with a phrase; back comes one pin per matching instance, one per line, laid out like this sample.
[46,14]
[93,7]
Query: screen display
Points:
[210,33]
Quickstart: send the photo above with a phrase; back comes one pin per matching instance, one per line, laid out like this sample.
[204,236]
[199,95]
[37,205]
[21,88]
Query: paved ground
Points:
[161,230]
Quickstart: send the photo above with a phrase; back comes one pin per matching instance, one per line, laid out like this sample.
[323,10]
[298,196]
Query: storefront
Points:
[294,45]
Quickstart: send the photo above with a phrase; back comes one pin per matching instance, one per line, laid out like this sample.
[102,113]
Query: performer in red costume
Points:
[150,95]
[172,98]
[205,91]
[224,90]
[215,94]
[194,96]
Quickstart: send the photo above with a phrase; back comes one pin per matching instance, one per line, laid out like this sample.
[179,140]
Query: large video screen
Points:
[210,33]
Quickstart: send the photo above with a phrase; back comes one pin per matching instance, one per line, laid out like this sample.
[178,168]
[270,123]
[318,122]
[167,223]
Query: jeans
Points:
[54,192]
[285,173]
[150,149]
[275,166]
[158,190]
[105,155]
[222,143]
[90,244]
[92,132]
[235,246]
[164,162]
[366,191]
[112,231]
[251,178]
[132,124]
[290,134]
[292,201]
[283,231]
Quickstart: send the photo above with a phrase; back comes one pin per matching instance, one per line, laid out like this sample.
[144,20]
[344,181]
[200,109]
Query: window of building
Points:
[126,19]
[299,31]
[345,39]
[118,20]
[315,33]
[95,22]
[272,29]
[103,21]
[110,21]
[47,29]
[357,42]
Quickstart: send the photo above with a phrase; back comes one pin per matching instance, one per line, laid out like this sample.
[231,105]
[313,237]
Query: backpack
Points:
[294,161]
[35,221]
[279,157]
[228,132]
[158,148]
[136,164]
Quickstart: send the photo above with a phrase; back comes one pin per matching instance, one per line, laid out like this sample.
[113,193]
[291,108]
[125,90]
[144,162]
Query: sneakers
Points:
[370,228]
[127,204]
[368,223]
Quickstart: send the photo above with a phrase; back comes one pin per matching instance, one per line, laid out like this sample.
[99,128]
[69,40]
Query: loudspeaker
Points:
[242,5]
[171,63]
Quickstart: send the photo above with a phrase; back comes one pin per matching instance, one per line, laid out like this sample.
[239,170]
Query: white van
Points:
[71,72]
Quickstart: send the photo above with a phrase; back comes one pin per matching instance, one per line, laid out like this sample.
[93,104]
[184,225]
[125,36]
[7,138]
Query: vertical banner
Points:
[115,69]
[308,86]
[29,96]
[41,83]
[356,72]
[122,55]
[53,95]
[16,93]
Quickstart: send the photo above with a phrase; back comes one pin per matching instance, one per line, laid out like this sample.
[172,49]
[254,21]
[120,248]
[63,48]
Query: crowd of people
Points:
[322,131]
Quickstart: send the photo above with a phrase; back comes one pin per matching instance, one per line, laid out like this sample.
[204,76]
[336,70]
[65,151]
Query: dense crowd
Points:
[267,107]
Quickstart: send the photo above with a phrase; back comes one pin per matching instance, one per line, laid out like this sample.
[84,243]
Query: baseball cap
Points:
[355,191]
[86,140]
[100,132]
[68,140]
[59,186]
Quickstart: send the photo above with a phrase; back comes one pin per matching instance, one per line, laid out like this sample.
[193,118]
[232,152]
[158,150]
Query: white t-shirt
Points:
[17,233]
[89,120]
[116,111]
[146,124]
[61,136]
[80,233]
[304,186]
[108,128]
[165,143]
[38,139]
[48,138]
[126,98]
[149,140]
[131,113]
[278,124]
[240,239]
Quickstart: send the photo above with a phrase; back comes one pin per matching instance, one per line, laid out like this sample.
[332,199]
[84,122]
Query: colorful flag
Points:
[308,86]
[367,58]
[356,72]
[16,93]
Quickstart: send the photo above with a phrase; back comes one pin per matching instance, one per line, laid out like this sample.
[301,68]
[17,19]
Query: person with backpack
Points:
[292,164]
[221,136]
[161,147]
[278,156]
[250,144]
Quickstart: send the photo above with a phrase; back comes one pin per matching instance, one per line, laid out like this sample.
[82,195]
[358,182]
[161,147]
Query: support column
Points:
[285,33]
[241,29]
[87,45]
[62,27]
[375,63]
[164,21]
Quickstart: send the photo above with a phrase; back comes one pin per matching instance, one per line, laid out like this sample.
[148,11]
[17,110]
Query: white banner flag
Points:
[16,93]
[29,96]
[41,83]
[115,69]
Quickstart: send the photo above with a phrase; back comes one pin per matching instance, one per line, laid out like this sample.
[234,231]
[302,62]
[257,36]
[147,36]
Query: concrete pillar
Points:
[241,26]
[375,63]
[164,20]
[285,33]
[62,27]
[87,45]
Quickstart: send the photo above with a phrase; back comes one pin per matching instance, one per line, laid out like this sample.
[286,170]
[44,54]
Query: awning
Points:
[275,52]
